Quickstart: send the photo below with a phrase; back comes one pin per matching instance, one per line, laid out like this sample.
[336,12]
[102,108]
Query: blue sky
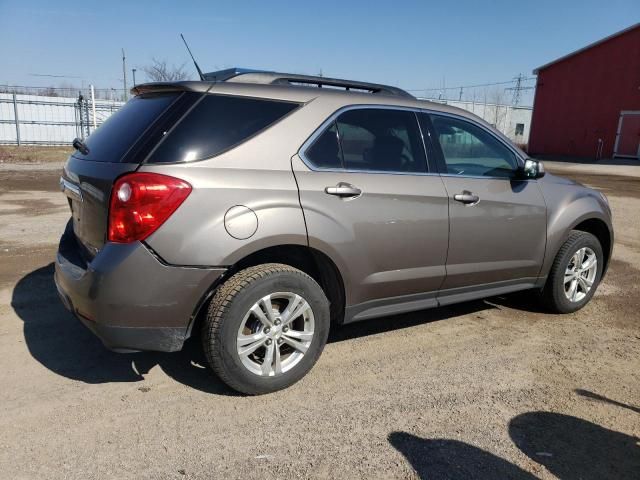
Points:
[409,44]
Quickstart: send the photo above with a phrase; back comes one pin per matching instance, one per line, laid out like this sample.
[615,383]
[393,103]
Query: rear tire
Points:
[570,286]
[278,314]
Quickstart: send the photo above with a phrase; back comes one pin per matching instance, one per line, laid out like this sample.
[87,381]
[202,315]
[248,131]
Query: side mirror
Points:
[533,169]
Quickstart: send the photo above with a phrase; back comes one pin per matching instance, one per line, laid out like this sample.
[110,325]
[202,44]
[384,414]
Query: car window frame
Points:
[302,151]
[439,154]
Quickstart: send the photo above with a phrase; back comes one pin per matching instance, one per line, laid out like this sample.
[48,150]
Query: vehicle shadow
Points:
[573,448]
[62,344]
[525,300]
[406,320]
[435,459]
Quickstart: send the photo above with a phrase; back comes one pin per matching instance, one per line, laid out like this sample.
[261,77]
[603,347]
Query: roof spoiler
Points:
[180,86]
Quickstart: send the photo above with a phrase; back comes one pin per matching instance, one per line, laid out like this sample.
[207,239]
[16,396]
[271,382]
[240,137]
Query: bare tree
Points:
[495,110]
[161,71]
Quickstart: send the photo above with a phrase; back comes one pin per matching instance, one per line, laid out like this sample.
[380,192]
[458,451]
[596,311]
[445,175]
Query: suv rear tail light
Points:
[141,202]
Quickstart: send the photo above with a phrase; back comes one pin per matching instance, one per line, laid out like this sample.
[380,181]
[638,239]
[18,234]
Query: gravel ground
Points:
[486,389]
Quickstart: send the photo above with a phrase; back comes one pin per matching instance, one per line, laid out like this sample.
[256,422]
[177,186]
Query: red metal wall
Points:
[578,100]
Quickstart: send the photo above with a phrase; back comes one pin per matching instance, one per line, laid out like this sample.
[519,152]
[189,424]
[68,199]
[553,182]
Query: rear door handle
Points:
[466,197]
[343,190]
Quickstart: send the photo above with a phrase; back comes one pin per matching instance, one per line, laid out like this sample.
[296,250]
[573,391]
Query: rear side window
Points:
[325,151]
[121,130]
[373,140]
[382,140]
[218,123]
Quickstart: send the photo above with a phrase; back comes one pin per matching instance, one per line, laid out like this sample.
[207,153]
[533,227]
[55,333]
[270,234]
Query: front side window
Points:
[470,150]
[370,139]
[218,123]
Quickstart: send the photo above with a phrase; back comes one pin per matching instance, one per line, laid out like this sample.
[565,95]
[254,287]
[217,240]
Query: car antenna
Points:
[194,60]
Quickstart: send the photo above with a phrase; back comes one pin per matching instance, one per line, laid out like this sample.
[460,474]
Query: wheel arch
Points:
[313,262]
[590,221]
[599,229]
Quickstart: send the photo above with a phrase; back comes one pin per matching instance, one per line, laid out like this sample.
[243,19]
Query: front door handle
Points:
[466,197]
[343,190]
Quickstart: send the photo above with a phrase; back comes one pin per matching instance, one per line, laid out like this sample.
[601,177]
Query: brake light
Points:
[141,202]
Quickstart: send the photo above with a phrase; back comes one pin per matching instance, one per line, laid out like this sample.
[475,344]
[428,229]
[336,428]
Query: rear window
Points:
[218,123]
[121,130]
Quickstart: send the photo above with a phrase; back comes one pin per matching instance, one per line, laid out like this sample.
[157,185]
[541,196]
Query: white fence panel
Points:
[49,120]
[58,120]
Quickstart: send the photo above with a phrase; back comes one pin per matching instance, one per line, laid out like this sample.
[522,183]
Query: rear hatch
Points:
[166,123]
[116,148]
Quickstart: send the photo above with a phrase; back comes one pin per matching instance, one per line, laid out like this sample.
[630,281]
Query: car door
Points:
[497,231]
[371,205]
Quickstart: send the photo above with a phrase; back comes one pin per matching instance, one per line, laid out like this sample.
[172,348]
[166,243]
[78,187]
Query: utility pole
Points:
[93,106]
[133,70]
[124,75]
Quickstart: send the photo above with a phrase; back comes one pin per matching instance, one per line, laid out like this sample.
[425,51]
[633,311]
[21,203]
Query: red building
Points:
[587,103]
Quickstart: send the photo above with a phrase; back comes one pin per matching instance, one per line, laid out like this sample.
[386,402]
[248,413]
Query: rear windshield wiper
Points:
[79,145]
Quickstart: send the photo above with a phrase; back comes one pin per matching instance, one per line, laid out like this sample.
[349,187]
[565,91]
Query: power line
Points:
[53,76]
[26,87]
[524,79]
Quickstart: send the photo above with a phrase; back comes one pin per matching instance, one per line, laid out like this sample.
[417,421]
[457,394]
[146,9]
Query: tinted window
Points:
[471,150]
[121,130]
[325,152]
[216,124]
[381,140]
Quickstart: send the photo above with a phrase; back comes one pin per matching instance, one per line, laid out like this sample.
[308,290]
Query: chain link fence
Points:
[50,118]
[34,116]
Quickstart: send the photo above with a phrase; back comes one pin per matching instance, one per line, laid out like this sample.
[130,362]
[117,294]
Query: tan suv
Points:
[263,208]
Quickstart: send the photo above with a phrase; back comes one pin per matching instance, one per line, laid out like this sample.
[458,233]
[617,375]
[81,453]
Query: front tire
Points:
[575,273]
[265,328]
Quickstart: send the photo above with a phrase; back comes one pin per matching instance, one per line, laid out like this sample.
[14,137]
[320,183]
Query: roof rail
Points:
[228,73]
[246,75]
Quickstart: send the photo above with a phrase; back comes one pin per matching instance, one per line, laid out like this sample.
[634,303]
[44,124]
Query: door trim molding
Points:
[390,306]
[421,301]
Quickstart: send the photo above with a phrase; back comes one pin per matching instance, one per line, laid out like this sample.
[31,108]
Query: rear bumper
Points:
[128,298]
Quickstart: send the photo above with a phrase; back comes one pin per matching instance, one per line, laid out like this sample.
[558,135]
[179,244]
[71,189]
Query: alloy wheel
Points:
[580,274]
[275,334]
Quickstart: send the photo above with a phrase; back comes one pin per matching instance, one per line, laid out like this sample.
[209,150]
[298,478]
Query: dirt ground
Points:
[33,154]
[486,389]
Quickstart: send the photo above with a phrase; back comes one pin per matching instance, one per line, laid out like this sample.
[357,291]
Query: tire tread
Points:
[221,302]
[551,290]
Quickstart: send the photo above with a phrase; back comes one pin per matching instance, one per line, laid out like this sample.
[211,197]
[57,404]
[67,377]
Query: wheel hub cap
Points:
[275,334]
[580,274]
